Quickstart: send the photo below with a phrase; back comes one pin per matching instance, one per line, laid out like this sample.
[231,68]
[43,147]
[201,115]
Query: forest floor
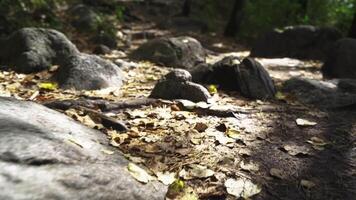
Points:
[279,149]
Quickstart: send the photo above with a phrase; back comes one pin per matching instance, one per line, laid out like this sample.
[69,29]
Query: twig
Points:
[106,121]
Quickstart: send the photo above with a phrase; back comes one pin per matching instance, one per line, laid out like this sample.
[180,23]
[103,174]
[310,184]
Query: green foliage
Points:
[22,13]
[119,12]
[262,15]
[15,14]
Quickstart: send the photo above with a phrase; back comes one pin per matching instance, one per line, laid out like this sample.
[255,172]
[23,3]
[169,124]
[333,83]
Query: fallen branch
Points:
[103,105]
[106,121]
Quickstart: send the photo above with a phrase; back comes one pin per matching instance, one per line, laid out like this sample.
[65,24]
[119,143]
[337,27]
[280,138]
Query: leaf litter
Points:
[168,140]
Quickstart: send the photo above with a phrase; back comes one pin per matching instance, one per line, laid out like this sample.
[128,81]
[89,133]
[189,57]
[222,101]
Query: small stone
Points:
[175,85]
[88,72]
[179,75]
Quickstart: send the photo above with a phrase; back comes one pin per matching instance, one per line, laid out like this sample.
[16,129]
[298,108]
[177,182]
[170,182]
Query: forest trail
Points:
[228,148]
[286,149]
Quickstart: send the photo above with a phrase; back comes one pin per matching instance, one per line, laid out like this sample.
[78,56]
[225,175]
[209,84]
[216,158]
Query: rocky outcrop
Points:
[46,155]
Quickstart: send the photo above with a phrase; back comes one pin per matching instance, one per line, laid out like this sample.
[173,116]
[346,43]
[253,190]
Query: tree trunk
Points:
[303,6]
[352,31]
[186,8]
[233,26]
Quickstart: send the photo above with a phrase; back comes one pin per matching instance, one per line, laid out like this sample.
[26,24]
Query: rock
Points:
[101,49]
[105,39]
[35,49]
[46,155]
[88,72]
[179,52]
[248,77]
[322,94]
[347,85]
[254,81]
[341,62]
[202,73]
[177,85]
[302,42]
[84,18]
[179,75]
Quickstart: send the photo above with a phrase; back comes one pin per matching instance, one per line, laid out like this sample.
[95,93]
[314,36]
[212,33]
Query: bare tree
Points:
[186,8]
[352,30]
[233,26]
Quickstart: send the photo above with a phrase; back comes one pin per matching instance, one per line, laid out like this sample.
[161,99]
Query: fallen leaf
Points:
[245,152]
[118,139]
[183,151]
[242,187]
[277,173]
[136,114]
[150,138]
[221,127]
[307,184]
[189,194]
[166,178]
[221,138]
[195,141]
[304,122]
[48,86]
[196,171]
[34,95]
[317,143]
[138,173]
[200,127]
[249,166]
[296,150]
[233,133]
[174,107]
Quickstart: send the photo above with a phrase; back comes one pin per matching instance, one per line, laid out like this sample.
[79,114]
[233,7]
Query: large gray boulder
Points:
[179,52]
[35,49]
[88,72]
[303,42]
[84,18]
[46,155]
[341,62]
[247,77]
[323,94]
[177,85]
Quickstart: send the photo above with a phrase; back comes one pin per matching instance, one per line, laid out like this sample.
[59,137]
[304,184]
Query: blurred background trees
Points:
[238,18]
